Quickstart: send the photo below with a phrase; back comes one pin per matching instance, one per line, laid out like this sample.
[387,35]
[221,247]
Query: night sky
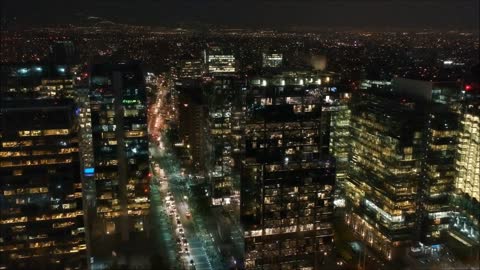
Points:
[373,14]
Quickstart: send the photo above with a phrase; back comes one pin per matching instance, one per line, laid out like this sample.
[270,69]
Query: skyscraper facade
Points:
[468,179]
[192,123]
[272,60]
[465,201]
[288,177]
[401,166]
[36,80]
[219,60]
[438,174]
[120,149]
[191,69]
[222,96]
[41,220]
[384,171]
[340,140]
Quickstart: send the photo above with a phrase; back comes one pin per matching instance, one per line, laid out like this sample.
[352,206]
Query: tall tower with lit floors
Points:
[288,177]
[41,209]
[465,220]
[121,159]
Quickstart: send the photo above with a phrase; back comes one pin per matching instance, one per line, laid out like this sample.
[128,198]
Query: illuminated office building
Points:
[219,61]
[340,141]
[384,170]
[401,168]
[468,162]
[41,214]
[466,207]
[438,102]
[210,126]
[84,119]
[191,69]
[272,60]
[438,175]
[120,149]
[36,80]
[465,221]
[224,105]
[288,176]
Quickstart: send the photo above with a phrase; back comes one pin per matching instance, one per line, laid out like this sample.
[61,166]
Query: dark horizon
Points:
[279,15]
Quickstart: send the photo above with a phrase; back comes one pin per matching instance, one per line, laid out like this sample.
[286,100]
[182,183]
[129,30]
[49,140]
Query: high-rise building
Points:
[192,122]
[120,151]
[272,60]
[84,119]
[468,180]
[36,80]
[466,206]
[41,210]
[465,201]
[191,69]
[438,174]
[384,171]
[288,176]
[219,60]
[224,103]
[340,140]
[401,168]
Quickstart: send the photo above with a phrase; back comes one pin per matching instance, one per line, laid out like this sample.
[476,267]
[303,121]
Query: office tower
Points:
[468,155]
[438,103]
[385,153]
[465,219]
[36,80]
[87,160]
[190,69]
[237,141]
[288,177]
[120,150]
[192,123]
[438,174]
[41,214]
[272,60]
[87,166]
[466,208]
[224,100]
[340,140]
[206,130]
[400,166]
[219,60]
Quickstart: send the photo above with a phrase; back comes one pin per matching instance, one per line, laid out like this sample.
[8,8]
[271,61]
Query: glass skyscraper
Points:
[288,177]
[41,213]
[401,166]
[120,149]
[465,201]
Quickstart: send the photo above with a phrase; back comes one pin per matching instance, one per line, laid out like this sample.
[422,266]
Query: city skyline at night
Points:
[211,135]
